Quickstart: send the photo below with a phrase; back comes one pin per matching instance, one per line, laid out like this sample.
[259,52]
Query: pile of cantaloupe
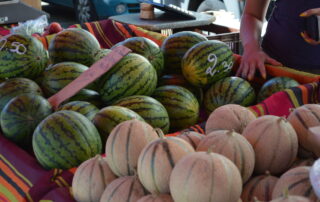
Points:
[240,158]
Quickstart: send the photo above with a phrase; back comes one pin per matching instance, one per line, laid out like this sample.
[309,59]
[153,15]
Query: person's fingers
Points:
[313,11]
[245,70]
[308,39]
[252,71]
[262,70]
[239,71]
[272,61]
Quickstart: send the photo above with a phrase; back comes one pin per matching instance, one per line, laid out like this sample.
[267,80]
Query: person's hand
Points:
[252,59]
[304,35]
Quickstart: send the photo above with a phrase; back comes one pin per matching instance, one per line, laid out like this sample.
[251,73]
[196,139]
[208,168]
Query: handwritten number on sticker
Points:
[16,47]
[212,58]
[3,43]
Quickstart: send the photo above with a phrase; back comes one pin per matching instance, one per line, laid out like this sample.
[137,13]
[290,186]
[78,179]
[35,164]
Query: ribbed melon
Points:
[291,199]
[146,48]
[233,146]
[22,56]
[73,45]
[229,117]
[205,176]
[17,86]
[109,117]
[127,188]
[207,62]
[259,187]
[274,85]
[133,75]
[65,139]
[94,173]
[21,115]
[175,46]
[230,90]
[151,110]
[192,137]
[156,198]
[302,118]
[297,182]
[302,162]
[84,108]
[275,144]
[125,144]
[157,160]
[181,105]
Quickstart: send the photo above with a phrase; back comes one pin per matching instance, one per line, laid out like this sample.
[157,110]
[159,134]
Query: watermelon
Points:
[85,108]
[133,75]
[60,75]
[101,53]
[21,115]
[109,117]
[89,96]
[207,62]
[22,56]
[230,90]
[65,139]
[175,46]
[181,105]
[16,86]
[274,85]
[146,48]
[73,45]
[179,80]
[151,110]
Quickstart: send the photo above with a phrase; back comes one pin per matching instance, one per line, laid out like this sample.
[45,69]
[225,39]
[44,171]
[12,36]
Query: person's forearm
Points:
[250,31]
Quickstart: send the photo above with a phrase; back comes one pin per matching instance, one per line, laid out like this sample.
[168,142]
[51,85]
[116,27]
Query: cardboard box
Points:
[34,3]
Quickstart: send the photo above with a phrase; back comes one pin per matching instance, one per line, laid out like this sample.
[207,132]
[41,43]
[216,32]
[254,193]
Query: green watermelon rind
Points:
[207,62]
[65,139]
[229,90]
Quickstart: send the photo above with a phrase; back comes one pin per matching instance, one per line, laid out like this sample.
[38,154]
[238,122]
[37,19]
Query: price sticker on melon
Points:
[90,75]
[212,58]
[15,47]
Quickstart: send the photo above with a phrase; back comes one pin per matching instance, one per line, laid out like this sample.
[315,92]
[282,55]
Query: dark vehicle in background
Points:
[91,10]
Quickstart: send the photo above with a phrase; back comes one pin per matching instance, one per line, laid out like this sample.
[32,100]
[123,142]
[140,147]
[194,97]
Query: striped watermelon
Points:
[146,48]
[65,139]
[133,75]
[152,111]
[16,86]
[109,117]
[230,90]
[175,46]
[89,96]
[21,115]
[74,45]
[60,75]
[181,105]
[179,80]
[101,53]
[22,56]
[274,85]
[207,62]
[85,108]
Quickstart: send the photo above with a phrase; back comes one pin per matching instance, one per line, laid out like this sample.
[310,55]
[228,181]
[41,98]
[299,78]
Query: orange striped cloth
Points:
[22,178]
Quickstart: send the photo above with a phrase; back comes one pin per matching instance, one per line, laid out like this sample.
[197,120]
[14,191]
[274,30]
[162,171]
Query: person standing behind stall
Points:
[286,41]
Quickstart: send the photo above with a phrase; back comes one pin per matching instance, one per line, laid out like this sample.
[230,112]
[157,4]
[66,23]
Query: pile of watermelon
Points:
[165,87]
